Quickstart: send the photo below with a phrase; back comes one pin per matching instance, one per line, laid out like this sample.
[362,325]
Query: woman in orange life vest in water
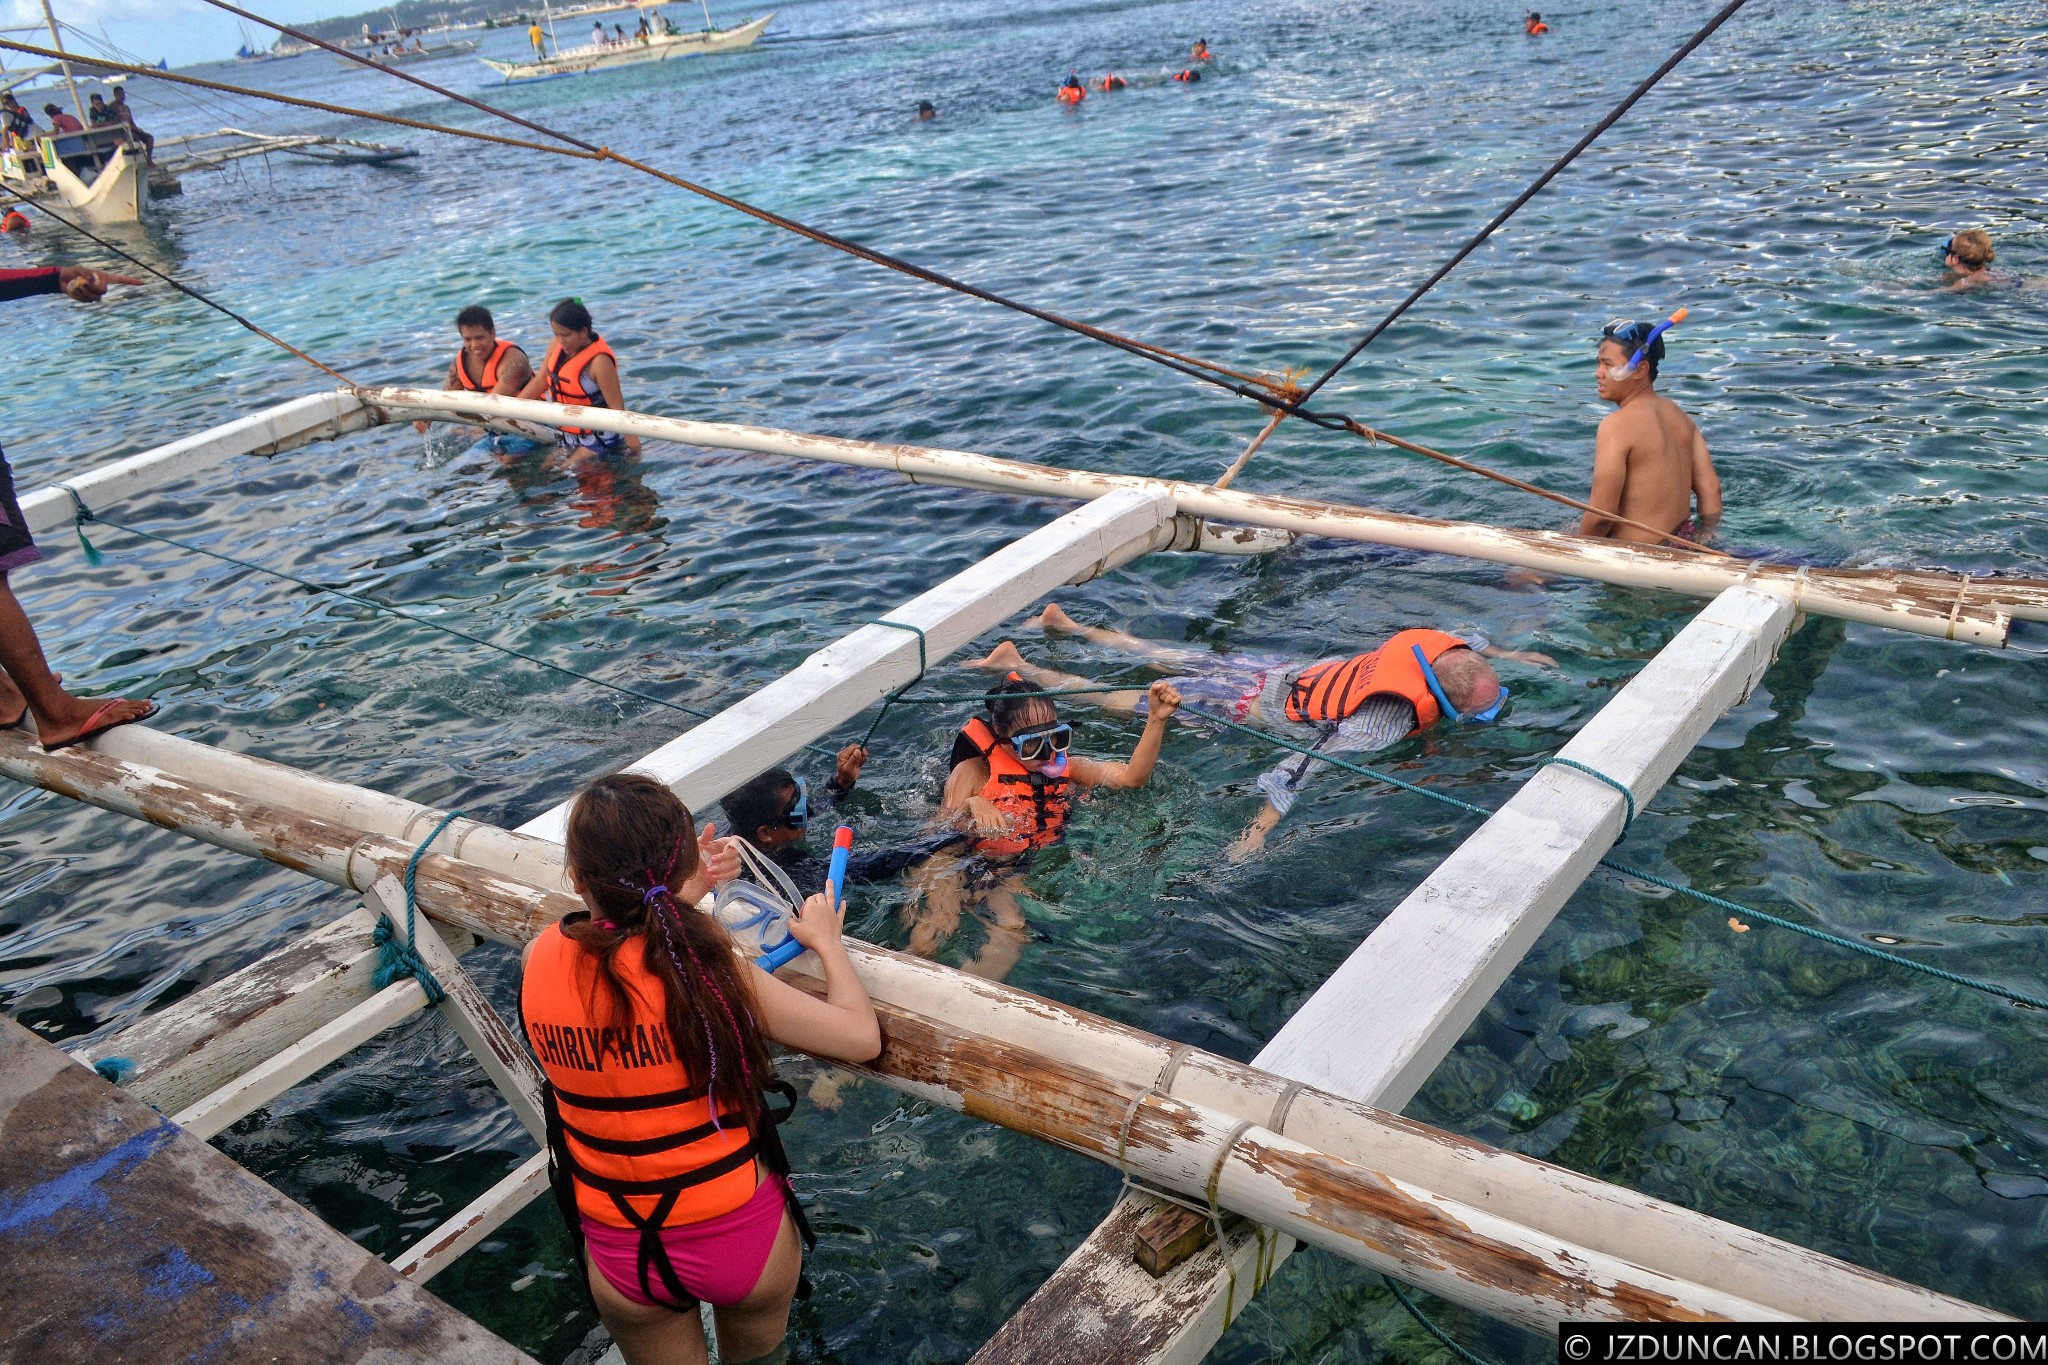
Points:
[653,1034]
[581,371]
[1011,788]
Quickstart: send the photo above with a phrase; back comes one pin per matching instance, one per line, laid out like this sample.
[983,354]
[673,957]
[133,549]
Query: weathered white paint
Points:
[188,1050]
[857,670]
[1925,603]
[315,417]
[293,1063]
[500,1052]
[1386,1018]
[490,1211]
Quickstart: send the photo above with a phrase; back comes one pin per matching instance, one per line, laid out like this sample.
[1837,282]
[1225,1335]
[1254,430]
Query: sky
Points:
[179,31]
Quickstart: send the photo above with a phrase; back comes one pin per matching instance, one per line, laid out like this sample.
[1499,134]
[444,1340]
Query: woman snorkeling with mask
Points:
[1011,789]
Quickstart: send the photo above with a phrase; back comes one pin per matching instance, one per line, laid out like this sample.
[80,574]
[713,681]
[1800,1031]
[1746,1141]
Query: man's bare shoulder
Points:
[1629,422]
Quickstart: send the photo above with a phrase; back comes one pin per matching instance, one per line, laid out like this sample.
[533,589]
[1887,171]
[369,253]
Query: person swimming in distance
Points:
[580,370]
[1111,81]
[1967,256]
[1358,704]
[15,221]
[1011,791]
[1188,77]
[1532,24]
[926,111]
[1071,89]
[1201,52]
[1650,461]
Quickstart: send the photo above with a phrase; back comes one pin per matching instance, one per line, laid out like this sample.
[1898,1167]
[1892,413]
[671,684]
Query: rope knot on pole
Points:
[395,958]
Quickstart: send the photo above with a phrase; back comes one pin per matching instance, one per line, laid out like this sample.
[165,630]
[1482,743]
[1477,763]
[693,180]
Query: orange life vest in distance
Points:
[642,1151]
[1034,804]
[490,379]
[1072,94]
[565,381]
[1328,692]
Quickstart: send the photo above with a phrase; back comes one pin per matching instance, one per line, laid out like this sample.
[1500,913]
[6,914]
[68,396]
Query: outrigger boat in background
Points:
[461,47]
[98,173]
[577,61]
[209,151]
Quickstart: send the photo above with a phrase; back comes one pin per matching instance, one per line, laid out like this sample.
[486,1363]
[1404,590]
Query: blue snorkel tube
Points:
[1436,689]
[789,950]
[1659,330]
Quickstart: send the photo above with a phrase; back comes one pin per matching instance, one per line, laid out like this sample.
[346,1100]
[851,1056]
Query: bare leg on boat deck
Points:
[1005,659]
[60,717]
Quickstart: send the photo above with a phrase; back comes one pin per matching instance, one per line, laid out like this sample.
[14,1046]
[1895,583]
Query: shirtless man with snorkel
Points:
[1649,460]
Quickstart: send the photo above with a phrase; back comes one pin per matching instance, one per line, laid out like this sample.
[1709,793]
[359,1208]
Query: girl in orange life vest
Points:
[1344,705]
[653,1035]
[580,370]
[1011,788]
[484,364]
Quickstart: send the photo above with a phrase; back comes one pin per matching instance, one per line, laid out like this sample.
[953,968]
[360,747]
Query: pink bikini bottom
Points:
[720,1260]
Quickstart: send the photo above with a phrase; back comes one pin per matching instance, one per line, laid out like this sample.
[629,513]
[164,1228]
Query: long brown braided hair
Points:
[631,843]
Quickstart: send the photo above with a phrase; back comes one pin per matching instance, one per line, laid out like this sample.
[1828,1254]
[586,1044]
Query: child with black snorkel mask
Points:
[1010,790]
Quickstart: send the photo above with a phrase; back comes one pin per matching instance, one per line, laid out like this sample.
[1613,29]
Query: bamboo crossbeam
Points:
[1101,1063]
[1940,605]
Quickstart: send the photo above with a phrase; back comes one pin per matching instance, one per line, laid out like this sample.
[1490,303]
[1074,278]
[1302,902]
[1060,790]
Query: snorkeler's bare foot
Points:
[81,720]
[1054,621]
[1003,658]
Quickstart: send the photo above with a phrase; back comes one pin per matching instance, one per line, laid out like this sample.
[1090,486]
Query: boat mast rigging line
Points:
[1185,363]
[1274,397]
[184,289]
[1557,167]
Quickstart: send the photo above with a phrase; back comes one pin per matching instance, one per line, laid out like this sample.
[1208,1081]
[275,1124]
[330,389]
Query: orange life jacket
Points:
[1034,804]
[1334,689]
[490,379]
[565,381]
[1072,94]
[641,1147]
[1537,28]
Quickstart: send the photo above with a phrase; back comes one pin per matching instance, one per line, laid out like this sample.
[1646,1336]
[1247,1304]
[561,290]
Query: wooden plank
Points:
[130,1239]
[195,1046]
[439,1249]
[500,1052]
[294,1062]
[315,417]
[854,672]
[1927,602]
[1386,1018]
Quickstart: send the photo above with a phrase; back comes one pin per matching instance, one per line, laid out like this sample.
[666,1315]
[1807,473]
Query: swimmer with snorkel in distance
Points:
[1968,256]
[1533,25]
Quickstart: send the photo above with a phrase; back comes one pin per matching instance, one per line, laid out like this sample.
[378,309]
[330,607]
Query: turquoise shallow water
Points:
[1788,186]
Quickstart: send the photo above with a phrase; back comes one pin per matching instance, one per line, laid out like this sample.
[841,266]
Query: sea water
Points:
[1788,185]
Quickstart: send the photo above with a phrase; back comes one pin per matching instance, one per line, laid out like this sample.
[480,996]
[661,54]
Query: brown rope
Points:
[1175,359]
[1663,537]
[186,290]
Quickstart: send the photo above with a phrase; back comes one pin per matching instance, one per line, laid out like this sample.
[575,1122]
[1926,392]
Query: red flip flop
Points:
[93,727]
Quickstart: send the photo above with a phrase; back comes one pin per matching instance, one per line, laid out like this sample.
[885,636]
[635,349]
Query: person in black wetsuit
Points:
[27,686]
[773,813]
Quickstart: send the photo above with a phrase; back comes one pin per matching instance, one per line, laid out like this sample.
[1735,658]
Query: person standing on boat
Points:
[484,364]
[1358,704]
[534,36]
[581,371]
[27,686]
[653,1035]
[122,113]
[597,32]
[1650,462]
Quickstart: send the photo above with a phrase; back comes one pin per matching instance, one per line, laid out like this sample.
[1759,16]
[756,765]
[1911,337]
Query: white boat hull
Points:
[461,48]
[579,61]
[118,194]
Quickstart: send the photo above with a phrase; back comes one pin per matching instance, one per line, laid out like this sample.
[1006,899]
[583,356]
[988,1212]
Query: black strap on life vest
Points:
[653,1260]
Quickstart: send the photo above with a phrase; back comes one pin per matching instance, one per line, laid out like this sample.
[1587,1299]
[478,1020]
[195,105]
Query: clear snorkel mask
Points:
[757,913]
[1638,335]
[1436,689]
